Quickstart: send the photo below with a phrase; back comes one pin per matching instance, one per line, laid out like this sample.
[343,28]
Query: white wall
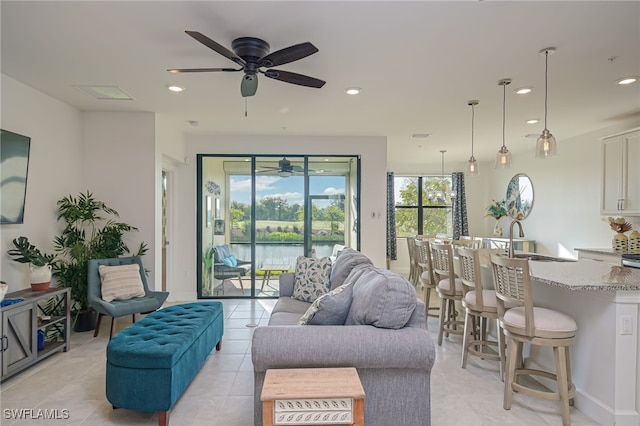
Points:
[120,169]
[373,151]
[55,168]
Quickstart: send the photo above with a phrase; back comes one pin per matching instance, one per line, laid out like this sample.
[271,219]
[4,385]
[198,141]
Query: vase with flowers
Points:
[620,241]
[496,210]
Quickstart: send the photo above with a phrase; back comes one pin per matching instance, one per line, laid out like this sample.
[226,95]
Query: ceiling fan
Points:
[252,54]
[284,169]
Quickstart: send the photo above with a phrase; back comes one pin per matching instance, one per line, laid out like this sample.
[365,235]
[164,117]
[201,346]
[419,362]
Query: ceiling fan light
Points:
[546,146]
[284,174]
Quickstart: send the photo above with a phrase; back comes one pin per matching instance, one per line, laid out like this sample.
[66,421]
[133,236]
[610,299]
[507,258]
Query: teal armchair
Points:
[151,301]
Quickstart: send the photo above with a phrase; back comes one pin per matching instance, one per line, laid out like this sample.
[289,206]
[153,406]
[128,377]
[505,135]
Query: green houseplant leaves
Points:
[91,232]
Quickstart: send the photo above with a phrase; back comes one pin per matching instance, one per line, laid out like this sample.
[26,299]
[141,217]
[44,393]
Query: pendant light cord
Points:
[504,101]
[473,114]
[546,74]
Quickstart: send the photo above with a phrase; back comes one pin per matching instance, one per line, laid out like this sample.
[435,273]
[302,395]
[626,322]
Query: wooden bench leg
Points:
[113,327]
[163,418]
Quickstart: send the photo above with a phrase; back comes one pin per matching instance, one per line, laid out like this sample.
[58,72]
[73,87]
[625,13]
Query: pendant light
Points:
[472,164]
[503,157]
[546,146]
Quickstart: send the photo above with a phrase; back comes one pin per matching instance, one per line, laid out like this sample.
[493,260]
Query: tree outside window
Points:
[433,215]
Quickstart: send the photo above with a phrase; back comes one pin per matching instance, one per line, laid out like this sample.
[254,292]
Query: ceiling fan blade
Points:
[293,78]
[179,70]
[249,85]
[216,47]
[288,54]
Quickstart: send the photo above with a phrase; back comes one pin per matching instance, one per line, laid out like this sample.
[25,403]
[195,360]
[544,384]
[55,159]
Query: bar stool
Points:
[480,305]
[536,326]
[413,273]
[449,289]
[427,278]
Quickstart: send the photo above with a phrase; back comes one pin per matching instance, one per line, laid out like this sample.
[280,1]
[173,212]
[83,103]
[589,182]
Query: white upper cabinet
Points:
[621,174]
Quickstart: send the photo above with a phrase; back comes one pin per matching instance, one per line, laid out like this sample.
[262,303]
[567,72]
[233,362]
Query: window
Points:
[423,205]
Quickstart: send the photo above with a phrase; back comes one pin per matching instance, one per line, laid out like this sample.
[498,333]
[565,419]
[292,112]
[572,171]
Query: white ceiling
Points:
[417,62]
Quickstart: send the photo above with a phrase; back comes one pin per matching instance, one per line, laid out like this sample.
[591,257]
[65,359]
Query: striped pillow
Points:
[121,282]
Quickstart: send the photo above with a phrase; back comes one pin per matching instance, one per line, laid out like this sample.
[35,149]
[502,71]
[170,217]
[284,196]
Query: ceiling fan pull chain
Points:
[245,107]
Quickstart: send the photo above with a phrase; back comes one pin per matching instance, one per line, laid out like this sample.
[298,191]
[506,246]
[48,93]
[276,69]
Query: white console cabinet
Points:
[621,174]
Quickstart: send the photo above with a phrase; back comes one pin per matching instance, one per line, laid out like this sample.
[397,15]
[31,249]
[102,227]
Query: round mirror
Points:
[519,196]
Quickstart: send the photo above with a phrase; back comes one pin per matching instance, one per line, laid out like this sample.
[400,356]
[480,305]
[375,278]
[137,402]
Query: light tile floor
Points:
[222,392]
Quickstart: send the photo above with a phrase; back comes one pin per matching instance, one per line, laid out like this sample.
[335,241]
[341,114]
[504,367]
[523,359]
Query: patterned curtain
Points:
[392,253]
[460,222]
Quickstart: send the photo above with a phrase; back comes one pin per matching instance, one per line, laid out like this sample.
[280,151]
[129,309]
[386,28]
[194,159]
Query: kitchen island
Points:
[604,300]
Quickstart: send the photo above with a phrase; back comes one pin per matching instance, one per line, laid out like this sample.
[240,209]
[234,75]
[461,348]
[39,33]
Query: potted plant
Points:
[39,263]
[91,232]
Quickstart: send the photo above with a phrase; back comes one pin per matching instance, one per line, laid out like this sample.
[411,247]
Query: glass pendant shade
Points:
[546,147]
[472,166]
[503,157]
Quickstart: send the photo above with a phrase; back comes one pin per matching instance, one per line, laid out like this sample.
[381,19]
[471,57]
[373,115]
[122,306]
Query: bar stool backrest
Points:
[470,274]
[512,284]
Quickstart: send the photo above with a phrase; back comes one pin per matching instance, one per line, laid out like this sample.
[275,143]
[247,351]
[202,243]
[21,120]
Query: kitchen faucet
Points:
[511,235]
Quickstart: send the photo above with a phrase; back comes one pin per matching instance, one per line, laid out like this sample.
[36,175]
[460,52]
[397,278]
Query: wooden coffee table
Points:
[312,396]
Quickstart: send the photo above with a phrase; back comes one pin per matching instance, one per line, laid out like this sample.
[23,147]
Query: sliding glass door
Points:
[259,213]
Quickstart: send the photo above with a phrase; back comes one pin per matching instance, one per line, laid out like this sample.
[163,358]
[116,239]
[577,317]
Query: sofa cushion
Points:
[347,259]
[381,298]
[330,308]
[121,282]
[311,278]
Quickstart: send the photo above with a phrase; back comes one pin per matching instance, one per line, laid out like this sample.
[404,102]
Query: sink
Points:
[541,258]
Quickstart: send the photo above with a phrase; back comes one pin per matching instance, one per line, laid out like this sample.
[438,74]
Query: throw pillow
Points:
[330,308]
[311,278]
[230,261]
[121,282]
[382,299]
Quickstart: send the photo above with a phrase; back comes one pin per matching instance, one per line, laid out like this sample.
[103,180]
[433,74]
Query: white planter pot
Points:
[40,276]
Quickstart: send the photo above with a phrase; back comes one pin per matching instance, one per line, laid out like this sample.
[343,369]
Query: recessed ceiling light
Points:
[533,121]
[523,90]
[627,80]
[174,88]
[420,135]
[352,90]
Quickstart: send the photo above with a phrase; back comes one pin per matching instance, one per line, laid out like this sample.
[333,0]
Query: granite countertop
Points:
[600,251]
[586,275]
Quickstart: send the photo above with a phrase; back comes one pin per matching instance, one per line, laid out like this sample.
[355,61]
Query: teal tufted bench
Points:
[151,362]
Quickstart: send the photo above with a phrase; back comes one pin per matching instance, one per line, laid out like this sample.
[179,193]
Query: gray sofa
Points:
[383,336]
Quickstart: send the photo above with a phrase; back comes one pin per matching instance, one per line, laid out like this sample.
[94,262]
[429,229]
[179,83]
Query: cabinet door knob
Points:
[5,343]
